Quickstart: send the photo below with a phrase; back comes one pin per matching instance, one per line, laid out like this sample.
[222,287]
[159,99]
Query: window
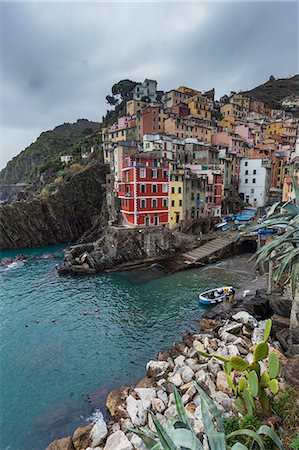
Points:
[142,173]
[172,190]
[172,202]
[252,191]
[246,180]
[154,173]
[154,188]
[246,163]
[253,180]
[164,202]
[246,172]
[154,203]
[142,203]
[180,190]
[164,188]
[181,202]
[142,188]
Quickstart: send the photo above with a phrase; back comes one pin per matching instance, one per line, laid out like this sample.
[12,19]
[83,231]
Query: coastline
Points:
[128,406]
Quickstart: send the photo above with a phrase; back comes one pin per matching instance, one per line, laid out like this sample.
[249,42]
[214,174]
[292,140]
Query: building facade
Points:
[255,181]
[144,191]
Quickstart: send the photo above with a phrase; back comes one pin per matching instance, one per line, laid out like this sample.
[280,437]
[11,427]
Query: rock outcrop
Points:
[61,217]
[129,407]
[119,246]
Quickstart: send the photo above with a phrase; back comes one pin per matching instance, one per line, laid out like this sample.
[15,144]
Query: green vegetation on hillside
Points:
[274,90]
[45,152]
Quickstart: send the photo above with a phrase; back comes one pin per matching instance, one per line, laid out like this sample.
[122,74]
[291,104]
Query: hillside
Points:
[273,91]
[46,150]
[60,217]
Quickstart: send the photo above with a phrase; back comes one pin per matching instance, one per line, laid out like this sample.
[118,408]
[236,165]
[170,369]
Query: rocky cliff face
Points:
[61,217]
[119,245]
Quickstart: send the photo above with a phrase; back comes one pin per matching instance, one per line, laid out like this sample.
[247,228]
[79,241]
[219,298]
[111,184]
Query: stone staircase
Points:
[208,249]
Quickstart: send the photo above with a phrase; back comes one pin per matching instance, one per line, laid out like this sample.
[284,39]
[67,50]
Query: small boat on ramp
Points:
[217,295]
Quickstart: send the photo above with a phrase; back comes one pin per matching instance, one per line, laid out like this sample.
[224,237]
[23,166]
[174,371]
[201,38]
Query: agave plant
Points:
[179,434]
[283,250]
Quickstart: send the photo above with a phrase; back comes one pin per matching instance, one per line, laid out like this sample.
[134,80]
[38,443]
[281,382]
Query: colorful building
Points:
[144,191]
[199,107]
[187,127]
[288,130]
[174,97]
[176,196]
[133,106]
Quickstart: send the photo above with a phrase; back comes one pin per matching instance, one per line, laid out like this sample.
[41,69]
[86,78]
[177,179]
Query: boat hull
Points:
[204,299]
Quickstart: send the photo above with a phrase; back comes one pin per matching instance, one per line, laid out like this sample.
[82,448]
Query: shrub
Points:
[75,168]
[58,181]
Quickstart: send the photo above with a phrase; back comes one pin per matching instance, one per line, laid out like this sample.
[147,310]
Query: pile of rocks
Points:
[129,406]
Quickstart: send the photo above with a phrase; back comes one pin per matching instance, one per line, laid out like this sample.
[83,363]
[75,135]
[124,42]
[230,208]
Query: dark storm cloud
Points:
[59,60]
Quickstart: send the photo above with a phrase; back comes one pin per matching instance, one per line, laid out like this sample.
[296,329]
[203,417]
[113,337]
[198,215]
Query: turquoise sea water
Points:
[55,375]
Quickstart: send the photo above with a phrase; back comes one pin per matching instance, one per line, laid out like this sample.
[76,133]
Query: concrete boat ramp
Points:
[217,247]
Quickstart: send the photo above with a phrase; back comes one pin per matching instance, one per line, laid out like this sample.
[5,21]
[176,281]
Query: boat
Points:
[204,297]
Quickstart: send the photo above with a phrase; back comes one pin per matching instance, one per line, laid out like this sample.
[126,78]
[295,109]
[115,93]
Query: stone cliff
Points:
[62,217]
[119,246]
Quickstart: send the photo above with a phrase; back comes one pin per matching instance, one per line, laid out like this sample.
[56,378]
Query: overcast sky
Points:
[59,60]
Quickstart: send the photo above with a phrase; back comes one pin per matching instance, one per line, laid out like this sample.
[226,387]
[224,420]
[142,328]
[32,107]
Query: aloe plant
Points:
[254,385]
[283,249]
[178,434]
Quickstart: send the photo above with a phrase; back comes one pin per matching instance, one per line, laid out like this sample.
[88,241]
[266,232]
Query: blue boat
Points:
[267,231]
[214,296]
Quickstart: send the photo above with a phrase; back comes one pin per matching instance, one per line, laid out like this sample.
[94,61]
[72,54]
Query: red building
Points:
[148,121]
[181,110]
[144,191]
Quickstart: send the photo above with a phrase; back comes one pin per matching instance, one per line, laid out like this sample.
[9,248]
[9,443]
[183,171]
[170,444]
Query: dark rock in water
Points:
[290,371]
[116,402]
[81,437]
[163,356]
[210,324]
[188,339]
[144,382]
[280,305]
[221,311]
[61,444]
[177,349]
[257,306]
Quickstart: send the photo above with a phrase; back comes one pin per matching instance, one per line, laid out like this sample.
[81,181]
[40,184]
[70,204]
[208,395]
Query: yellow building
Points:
[187,128]
[228,123]
[233,110]
[199,107]
[187,90]
[241,100]
[133,106]
[176,196]
[283,128]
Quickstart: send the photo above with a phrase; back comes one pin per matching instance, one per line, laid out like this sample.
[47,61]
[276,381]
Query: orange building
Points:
[187,128]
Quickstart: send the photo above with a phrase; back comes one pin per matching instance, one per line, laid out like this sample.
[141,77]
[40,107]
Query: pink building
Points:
[244,132]
[120,124]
